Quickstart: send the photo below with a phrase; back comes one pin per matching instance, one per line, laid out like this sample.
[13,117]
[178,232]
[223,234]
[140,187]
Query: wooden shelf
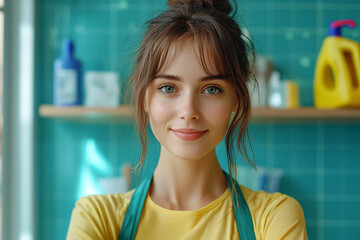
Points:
[259,114]
[81,113]
[307,113]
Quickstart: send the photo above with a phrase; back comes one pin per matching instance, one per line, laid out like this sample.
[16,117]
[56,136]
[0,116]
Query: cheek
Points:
[159,111]
[219,114]
[222,119]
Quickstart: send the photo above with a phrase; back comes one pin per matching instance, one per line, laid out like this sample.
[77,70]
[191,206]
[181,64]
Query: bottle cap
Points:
[335,26]
[67,47]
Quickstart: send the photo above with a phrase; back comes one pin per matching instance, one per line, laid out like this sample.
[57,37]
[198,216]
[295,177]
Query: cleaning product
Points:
[276,91]
[101,89]
[291,91]
[67,77]
[337,72]
[259,88]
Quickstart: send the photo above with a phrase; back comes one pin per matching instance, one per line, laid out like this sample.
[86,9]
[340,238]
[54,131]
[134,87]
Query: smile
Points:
[188,134]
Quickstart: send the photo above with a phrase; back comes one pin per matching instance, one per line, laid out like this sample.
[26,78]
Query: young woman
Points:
[190,84]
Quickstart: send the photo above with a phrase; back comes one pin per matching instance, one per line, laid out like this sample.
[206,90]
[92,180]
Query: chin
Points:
[189,154]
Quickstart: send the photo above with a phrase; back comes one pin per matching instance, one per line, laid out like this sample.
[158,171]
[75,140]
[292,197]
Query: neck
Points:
[180,184]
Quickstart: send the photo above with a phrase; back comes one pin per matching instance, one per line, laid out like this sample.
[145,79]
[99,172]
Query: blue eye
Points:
[213,90]
[167,89]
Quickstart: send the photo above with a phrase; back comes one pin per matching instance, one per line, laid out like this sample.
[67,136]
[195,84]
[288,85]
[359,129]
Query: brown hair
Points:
[207,23]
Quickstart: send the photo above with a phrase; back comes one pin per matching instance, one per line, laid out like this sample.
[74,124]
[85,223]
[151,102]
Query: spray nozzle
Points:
[335,26]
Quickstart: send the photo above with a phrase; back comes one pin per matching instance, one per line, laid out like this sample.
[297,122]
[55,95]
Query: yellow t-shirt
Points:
[275,216]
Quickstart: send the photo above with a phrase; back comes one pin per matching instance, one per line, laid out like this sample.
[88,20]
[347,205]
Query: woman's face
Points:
[189,110]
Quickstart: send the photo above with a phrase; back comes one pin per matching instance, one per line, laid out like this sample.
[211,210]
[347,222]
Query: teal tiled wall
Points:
[320,159]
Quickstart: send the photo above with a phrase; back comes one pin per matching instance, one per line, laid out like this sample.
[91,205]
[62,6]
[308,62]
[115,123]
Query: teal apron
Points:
[132,217]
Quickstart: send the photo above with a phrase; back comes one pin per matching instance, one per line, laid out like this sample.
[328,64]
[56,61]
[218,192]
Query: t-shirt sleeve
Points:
[285,220]
[98,217]
[86,222]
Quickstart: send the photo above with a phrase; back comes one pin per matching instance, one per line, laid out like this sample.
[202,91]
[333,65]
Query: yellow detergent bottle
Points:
[337,71]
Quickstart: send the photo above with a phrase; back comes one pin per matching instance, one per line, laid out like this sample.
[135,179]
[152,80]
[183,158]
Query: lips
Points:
[188,134]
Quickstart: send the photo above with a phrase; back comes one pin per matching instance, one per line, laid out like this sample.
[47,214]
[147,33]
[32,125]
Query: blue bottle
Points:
[67,77]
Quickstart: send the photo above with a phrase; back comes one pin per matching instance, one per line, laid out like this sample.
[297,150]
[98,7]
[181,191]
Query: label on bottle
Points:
[65,89]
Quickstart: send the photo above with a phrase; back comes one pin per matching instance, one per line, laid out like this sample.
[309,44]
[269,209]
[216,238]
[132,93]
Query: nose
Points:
[188,108]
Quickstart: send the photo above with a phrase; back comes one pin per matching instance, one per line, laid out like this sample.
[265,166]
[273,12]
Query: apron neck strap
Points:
[133,213]
[242,213]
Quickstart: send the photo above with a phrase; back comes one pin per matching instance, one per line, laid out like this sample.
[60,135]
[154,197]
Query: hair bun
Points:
[220,5]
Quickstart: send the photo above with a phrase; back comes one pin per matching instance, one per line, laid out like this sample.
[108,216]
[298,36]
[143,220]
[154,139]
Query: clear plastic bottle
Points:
[276,91]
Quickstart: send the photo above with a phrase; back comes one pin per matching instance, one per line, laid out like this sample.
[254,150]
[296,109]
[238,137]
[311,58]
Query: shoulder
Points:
[98,216]
[275,215]
[97,203]
[268,201]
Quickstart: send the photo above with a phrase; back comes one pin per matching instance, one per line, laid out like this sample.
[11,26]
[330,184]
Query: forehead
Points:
[204,52]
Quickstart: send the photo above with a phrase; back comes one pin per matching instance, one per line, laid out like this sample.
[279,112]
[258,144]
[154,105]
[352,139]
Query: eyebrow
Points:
[176,78]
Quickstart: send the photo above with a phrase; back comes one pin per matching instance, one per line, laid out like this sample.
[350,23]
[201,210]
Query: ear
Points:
[235,107]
